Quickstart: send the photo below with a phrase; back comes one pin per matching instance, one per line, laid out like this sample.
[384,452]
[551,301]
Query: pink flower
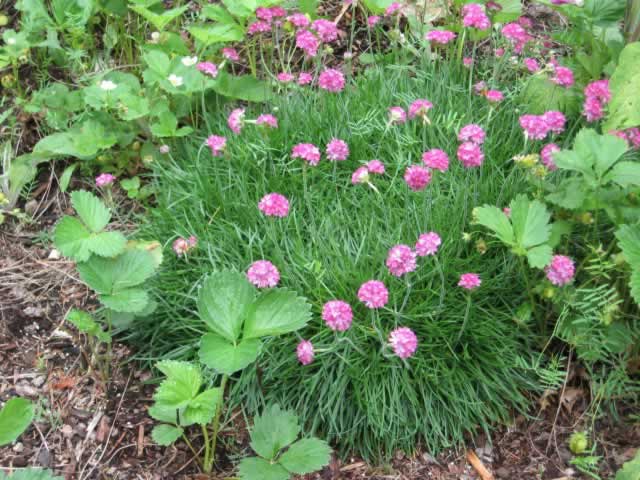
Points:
[258,27]
[417,177]
[217,144]
[274,205]
[180,246]
[474,16]
[337,150]
[299,20]
[436,159]
[403,341]
[263,274]
[393,8]
[337,315]
[331,80]
[277,12]
[563,77]
[515,34]
[375,166]
[326,30]
[428,244]
[561,270]
[307,41]
[373,20]
[525,22]
[593,109]
[285,77]
[306,151]
[264,14]
[440,36]
[546,155]
[480,88]
[633,134]
[230,54]
[401,260]
[305,352]
[209,68]
[373,294]
[420,108]
[360,175]
[599,89]
[469,281]
[164,149]
[494,96]
[472,133]
[555,121]
[467,61]
[507,211]
[534,126]
[268,120]
[305,78]
[104,180]
[397,115]
[470,155]
[236,120]
[532,65]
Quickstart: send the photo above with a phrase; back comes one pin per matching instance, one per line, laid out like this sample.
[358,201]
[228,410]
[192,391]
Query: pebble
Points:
[54,255]
[18,447]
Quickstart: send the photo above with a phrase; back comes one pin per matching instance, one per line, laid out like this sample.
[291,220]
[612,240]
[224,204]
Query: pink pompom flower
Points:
[337,315]
[563,76]
[599,89]
[532,65]
[217,144]
[305,78]
[436,159]
[258,27]
[441,37]
[360,175]
[337,150]
[105,180]
[546,155]
[474,16]
[469,281]
[517,35]
[263,274]
[326,30]
[555,121]
[393,8]
[307,41]
[373,20]
[404,342]
[305,352]
[397,115]
[299,20]
[373,294]
[274,205]
[331,80]
[417,177]
[267,120]
[401,260]
[285,77]
[306,151]
[494,96]
[561,270]
[470,154]
[181,246]
[208,68]
[467,61]
[420,108]
[230,54]
[428,244]
[236,120]
[472,133]
[534,126]
[376,167]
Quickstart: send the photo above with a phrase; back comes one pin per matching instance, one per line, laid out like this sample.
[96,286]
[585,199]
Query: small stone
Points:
[18,447]
[54,255]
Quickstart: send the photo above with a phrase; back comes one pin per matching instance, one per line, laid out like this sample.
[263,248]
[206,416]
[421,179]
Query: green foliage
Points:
[578,443]
[30,474]
[15,417]
[624,108]
[629,242]
[159,20]
[86,324]
[630,470]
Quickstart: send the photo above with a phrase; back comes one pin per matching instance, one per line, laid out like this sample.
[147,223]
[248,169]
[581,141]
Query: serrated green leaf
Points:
[495,220]
[276,312]
[624,174]
[274,430]
[306,456]
[629,242]
[15,417]
[70,237]
[559,229]
[182,384]
[65,178]
[630,470]
[108,276]
[165,434]
[530,220]
[129,300]
[221,33]
[218,353]
[86,324]
[624,107]
[254,468]
[223,303]
[539,256]
[203,407]
[159,21]
[243,87]
[93,213]
[107,244]
[164,414]
[570,194]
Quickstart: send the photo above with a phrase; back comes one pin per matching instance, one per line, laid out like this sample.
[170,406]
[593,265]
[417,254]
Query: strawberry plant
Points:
[15,417]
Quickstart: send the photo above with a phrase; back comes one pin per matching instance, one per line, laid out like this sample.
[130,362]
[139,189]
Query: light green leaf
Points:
[377,6]
[65,178]
[243,87]
[570,194]
[540,256]
[630,470]
[159,21]
[202,408]
[494,219]
[223,303]
[110,275]
[602,151]
[133,106]
[163,413]
[94,214]
[71,238]
[254,468]
[181,385]
[221,33]
[225,357]
[86,324]
[629,242]
[624,174]
[15,417]
[276,312]
[107,244]
[217,14]
[129,300]
[274,430]
[306,456]
[511,10]
[559,229]
[165,434]
[624,107]
[530,220]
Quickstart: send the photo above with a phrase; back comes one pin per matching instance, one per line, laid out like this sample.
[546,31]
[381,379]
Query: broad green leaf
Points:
[604,12]
[243,87]
[629,242]
[164,414]
[181,385]
[15,417]
[165,435]
[65,178]
[540,256]
[254,468]
[225,357]
[274,430]
[604,149]
[86,324]
[240,8]
[541,95]
[306,456]
[221,33]
[530,220]
[202,408]
[158,62]
[111,275]
[559,229]
[133,106]
[71,238]
[494,219]
[217,13]
[511,10]
[377,6]
[276,312]
[624,107]
[130,183]
[310,7]
[129,300]
[624,174]
[630,470]
[223,303]
[159,21]
[570,194]
[91,210]
[107,244]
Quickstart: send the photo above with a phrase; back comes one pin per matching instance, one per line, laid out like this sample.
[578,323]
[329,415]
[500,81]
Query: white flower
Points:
[155,36]
[11,41]
[189,61]
[175,80]
[108,85]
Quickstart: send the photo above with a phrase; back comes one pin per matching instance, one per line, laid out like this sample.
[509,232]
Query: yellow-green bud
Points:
[578,443]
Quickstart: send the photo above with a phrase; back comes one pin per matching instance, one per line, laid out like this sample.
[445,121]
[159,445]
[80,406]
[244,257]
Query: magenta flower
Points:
[428,244]
[507,211]
[264,14]
[393,8]
[403,341]
[469,281]
[217,144]
[563,77]
[373,20]
[480,88]
[470,154]
[230,54]
[360,175]
[326,30]
[337,315]
[555,121]
[182,245]
[474,16]
[436,159]
[337,150]
[494,96]
[593,109]
[307,41]
[417,177]
[401,260]
[263,274]
[599,89]
[561,270]
[420,108]
[305,78]
[104,180]
[546,155]
[467,61]
[285,77]
[376,167]
[517,35]
[440,36]
[267,120]
[208,68]
[258,27]
[373,294]
[306,151]
[236,120]
[305,352]
[397,115]
[331,80]
[532,65]
[472,133]
[274,205]
[499,52]
[534,126]
[299,20]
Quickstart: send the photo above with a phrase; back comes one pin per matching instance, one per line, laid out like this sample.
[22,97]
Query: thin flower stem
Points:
[216,427]
[466,318]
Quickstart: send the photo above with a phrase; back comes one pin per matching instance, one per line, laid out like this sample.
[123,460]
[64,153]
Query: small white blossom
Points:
[11,41]
[108,85]
[175,80]
[155,37]
[189,61]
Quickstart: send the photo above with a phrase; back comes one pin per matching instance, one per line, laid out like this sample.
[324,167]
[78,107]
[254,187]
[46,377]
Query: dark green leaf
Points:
[225,357]
[15,417]
[306,456]
[254,468]
[273,430]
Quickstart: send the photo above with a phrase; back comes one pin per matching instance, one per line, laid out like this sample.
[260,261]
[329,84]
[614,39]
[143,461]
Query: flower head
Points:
[561,270]
[375,166]
[337,315]
[417,177]
[326,30]
[420,108]
[397,115]
[373,20]
[563,76]
[517,35]
[337,150]
[401,260]
[470,154]
[208,68]
[393,8]
[469,281]
[532,65]
[299,20]
[555,121]
[104,180]
[274,205]
[428,244]
[305,78]
[305,352]
[373,294]
[267,120]
[164,149]
[467,61]
[331,80]
[593,109]
[546,155]
[217,144]
[306,151]
[259,27]
[403,341]
[182,245]
[436,159]
[534,126]
[236,120]
[175,80]
[494,96]
[472,133]
[189,61]
[263,274]
[107,85]
[230,54]
[474,16]
[440,36]
[360,175]
[307,41]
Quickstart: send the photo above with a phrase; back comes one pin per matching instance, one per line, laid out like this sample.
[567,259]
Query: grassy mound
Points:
[472,366]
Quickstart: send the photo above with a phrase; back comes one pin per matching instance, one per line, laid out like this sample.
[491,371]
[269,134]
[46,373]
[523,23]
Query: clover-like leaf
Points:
[306,456]
[225,357]
[274,430]
[165,435]
[276,312]
[93,213]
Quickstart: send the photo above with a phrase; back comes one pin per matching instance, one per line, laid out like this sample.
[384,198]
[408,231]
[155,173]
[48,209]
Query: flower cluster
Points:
[473,15]
[337,150]
[263,274]
[517,35]
[469,281]
[417,177]
[441,37]
[331,80]
[217,144]
[436,159]
[403,341]
[470,151]
[563,76]
[306,151]
[597,95]
[546,155]
[538,127]
[338,315]
[105,180]
[401,260]
[181,246]
[274,205]
[561,270]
